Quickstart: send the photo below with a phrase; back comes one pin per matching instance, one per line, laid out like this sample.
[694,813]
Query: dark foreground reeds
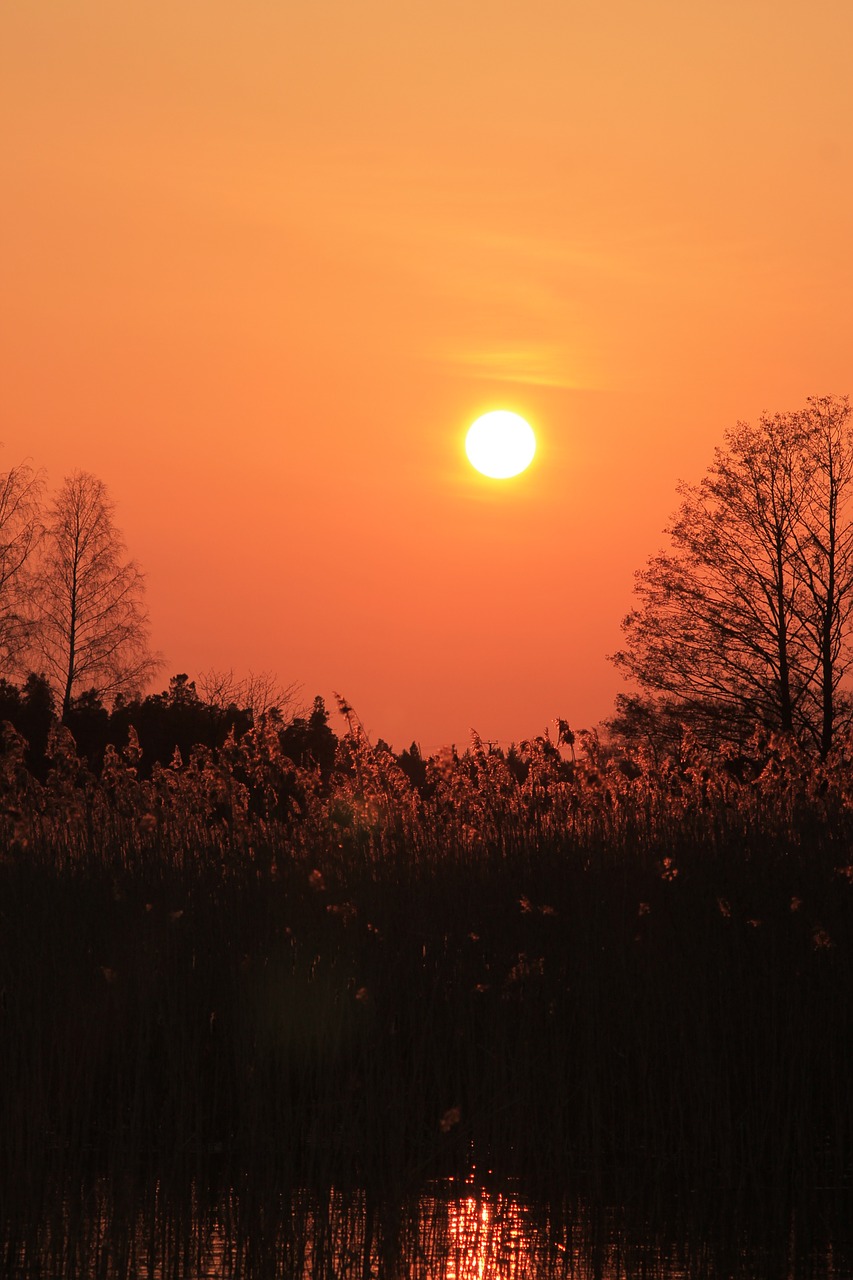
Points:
[230,991]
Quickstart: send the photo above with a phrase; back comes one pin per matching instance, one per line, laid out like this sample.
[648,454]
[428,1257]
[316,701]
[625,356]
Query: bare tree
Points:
[259,693]
[823,539]
[91,629]
[743,621]
[20,530]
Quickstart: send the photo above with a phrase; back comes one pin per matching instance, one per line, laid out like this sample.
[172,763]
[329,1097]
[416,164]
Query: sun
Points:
[500,444]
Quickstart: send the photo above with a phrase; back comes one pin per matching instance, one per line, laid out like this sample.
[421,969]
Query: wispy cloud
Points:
[540,366]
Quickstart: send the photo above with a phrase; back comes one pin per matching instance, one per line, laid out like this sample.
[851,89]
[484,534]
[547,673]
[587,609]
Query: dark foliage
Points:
[175,720]
[310,742]
[30,710]
[247,984]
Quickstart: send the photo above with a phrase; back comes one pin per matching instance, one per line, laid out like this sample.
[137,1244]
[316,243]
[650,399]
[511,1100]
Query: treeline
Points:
[169,726]
[181,722]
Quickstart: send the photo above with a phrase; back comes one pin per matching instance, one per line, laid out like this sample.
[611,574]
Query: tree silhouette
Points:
[309,742]
[90,626]
[30,710]
[20,529]
[89,722]
[743,621]
[176,719]
[823,560]
[260,693]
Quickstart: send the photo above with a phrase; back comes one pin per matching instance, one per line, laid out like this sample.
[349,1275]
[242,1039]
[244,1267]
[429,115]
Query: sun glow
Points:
[500,444]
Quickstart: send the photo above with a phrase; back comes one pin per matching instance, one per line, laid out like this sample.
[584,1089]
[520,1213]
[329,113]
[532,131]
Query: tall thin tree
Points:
[823,537]
[20,530]
[91,625]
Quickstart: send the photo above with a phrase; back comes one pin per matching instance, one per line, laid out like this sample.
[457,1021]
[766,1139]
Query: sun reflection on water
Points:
[453,1232]
[486,1239]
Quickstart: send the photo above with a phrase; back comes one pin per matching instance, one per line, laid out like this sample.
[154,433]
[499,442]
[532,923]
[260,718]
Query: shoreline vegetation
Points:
[612,980]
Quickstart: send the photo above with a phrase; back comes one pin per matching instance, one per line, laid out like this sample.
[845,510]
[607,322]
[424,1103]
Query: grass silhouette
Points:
[235,997]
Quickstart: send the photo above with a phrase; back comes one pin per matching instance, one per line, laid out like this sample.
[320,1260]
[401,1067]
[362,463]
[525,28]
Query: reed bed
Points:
[232,989]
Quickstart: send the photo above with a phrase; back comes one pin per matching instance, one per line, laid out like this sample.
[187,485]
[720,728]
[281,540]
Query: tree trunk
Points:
[72,644]
[827,662]
[786,711]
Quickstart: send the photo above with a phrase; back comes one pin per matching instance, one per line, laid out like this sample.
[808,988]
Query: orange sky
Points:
[262,264]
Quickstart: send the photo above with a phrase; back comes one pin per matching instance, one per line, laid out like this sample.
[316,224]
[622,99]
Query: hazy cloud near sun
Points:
[532,366]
